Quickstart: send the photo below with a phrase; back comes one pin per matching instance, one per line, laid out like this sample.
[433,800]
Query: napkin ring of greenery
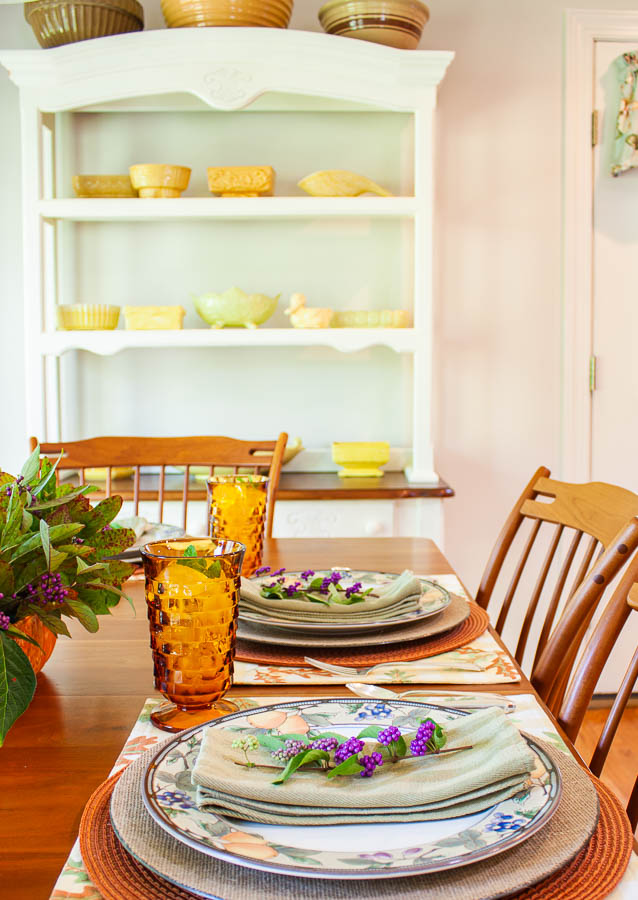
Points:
[54,562]
[332,755]
[315,590]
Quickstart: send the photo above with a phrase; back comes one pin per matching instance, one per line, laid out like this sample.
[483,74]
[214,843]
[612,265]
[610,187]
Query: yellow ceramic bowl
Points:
[360,459]
[371,318]
[150,318]
[234,13]
[235,308]
[103,186]
[117,473]
[88,317]
[241,181]
[155,180]
[396,23]
[67,21]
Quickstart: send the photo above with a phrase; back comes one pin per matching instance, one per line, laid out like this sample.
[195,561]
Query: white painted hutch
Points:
[299,101]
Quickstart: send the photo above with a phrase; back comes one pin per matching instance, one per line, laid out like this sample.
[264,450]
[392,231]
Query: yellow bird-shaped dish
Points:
[340,183]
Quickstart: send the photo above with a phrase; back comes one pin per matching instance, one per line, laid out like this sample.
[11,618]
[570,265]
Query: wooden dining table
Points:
[92,689]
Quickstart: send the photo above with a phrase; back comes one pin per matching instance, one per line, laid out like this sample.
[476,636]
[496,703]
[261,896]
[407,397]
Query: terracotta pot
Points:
[33,626]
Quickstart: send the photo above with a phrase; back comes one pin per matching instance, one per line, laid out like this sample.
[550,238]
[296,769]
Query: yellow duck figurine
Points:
[302,316]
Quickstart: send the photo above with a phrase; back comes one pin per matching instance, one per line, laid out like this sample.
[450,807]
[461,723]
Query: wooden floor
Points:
[622,763]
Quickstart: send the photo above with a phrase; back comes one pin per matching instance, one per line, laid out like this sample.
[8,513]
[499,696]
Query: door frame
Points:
[582,29]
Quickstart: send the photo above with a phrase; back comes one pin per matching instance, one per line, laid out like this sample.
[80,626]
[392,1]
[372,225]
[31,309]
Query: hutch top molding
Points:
[226,68]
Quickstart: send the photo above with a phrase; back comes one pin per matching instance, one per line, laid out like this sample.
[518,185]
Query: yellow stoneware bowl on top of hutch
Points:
[88,317]
[224,13]
[158,180]
[360,459]
[395,23]
[58,22]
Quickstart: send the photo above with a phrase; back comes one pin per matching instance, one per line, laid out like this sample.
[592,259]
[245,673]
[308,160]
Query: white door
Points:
[614,433]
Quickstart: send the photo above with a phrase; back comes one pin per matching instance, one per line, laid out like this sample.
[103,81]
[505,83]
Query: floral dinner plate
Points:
[343,851]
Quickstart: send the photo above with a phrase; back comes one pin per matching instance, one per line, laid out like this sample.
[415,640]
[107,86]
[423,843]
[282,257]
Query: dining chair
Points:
[578,523]
[186,452]
[623,604]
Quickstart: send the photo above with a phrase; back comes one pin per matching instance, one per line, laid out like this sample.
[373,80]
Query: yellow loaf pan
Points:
[140,318]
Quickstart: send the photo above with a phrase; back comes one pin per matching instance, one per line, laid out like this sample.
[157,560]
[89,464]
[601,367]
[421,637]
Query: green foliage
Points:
[303,759]
[17,683]
[44,529]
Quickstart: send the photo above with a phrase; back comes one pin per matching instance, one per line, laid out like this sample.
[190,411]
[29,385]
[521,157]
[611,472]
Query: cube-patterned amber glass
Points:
[237,505]
[192,592]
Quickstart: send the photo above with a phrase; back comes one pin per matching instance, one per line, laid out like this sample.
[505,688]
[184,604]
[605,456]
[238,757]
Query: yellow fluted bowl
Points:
[88,317]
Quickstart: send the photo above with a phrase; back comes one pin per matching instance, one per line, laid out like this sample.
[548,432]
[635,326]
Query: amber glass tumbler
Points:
[192,592]
[237,506]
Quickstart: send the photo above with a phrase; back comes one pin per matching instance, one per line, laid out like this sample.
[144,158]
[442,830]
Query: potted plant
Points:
[54,563]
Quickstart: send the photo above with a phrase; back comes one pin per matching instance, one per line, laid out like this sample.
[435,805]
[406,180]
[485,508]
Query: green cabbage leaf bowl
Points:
[235,308]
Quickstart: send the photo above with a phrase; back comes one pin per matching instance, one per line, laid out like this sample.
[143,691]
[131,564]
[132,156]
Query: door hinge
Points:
[594,127]
[592,373]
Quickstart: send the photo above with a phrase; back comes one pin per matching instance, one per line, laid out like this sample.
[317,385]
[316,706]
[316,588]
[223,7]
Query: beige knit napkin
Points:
[386,601]
[430,787]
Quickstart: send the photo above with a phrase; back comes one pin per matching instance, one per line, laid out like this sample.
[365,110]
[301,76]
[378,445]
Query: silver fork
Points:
[463,666]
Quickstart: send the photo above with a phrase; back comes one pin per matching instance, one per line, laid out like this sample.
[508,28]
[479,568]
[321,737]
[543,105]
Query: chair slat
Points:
[550,615]
[185,497]
[136,490]
[538,590]
[509,596]
[613,719]
[160,493]
[584,565]
[108,481]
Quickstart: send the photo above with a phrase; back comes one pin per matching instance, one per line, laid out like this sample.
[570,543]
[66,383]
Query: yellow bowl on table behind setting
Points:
[88,317]
[360,459]
[159,179]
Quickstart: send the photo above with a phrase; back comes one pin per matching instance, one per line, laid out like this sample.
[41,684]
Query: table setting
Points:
[279,761]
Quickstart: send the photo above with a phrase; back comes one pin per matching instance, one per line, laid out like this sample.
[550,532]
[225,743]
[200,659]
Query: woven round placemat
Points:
[453,615]
[474,624]
[586,869]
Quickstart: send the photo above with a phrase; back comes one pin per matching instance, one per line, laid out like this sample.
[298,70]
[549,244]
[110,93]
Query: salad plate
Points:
[432,600]
[363,851]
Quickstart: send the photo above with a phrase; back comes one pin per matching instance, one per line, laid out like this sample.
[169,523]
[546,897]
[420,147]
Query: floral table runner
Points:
[75,884]
[495,664]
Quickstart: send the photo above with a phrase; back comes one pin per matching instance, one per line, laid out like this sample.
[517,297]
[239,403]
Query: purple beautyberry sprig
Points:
[349,748]
[262,570]
[5,621]
[327,744]
[290,748]
[370,763]
[292,588]
[389,735]
[307,574]
[353,589]
[419,746]
[48,589]
[278,572]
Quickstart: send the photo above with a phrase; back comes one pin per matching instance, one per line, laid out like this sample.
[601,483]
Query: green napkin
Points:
[387,601]
[431,787]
